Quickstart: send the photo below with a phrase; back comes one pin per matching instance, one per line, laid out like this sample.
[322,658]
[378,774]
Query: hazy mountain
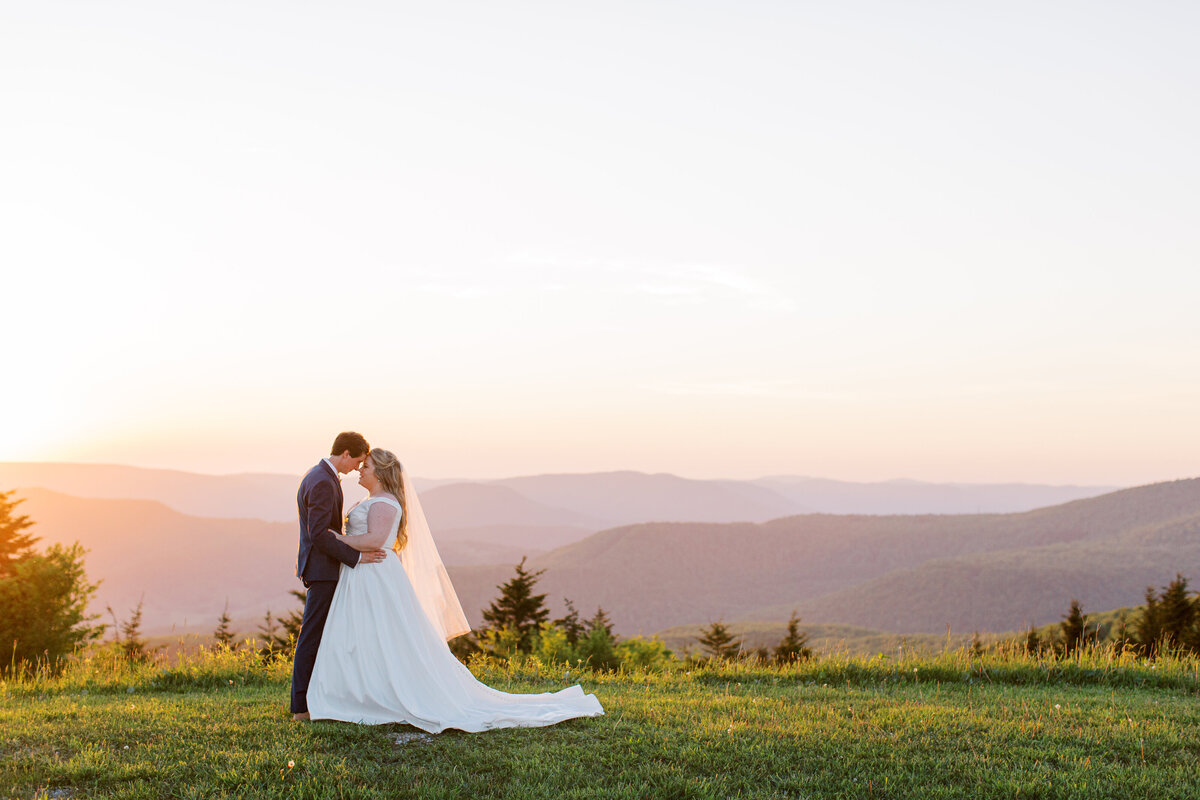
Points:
[475,505]
[523,539]
[247,496]
[894,573]
[620,498]
[1012,589]
[591,501]
[184,566]
[916,497]
[914,573]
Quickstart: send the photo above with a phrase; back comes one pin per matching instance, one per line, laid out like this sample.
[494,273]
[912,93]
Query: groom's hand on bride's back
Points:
[372,556]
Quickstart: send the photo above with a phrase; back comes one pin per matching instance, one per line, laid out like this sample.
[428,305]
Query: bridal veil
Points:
[426,571]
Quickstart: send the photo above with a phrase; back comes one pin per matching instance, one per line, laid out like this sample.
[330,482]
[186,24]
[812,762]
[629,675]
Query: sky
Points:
[862,240]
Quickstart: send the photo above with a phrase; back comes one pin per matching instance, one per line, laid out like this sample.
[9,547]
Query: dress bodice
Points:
[356,520]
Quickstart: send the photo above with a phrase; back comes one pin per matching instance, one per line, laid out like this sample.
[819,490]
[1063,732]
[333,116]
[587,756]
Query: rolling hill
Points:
[918,497]
[904,573]
[185,567]
[588,501]
[895,573]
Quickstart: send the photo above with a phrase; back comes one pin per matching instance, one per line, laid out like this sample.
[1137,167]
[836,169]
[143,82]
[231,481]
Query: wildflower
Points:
[1057,706]
[291,764]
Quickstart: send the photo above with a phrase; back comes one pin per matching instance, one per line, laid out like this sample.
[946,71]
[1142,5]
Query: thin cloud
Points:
[672,283]
[746,388]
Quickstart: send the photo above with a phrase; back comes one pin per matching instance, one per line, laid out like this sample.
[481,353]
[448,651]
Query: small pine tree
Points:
[465,646]
[719,642]
[518,608]
[598,649]
[129,634]
[279,634]
[977,648]
[43,607]
[570,624]
[224,633]
[1074,628]
[1033,642]
[15,544]
[291,623]
[1177,613]
[1121,636]
[601,620]
[273,642]
[1148,631]
[793,646]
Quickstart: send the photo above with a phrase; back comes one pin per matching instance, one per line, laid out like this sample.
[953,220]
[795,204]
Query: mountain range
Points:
[898,573]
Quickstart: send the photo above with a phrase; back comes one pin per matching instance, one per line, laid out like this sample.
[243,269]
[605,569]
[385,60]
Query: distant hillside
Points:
[917,497]
[902,573]
[475,505]
[184,566]
[590,501]
[620,498]
[1014,588]
[913,573]
[263,496]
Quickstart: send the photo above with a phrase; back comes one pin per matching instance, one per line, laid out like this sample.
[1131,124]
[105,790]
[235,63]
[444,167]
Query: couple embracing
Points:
[380,609]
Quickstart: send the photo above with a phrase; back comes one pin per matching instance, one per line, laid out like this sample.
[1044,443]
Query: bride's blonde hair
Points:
[388,472]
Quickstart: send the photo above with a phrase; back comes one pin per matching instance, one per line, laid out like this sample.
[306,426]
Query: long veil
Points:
[426,571]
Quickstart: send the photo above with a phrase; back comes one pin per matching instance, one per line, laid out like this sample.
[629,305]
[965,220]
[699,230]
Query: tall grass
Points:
[105,669]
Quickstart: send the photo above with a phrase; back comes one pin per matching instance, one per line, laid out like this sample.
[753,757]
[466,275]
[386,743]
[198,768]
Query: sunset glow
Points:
[857,240]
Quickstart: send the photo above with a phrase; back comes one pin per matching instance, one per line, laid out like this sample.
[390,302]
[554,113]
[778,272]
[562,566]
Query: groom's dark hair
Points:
[349,440]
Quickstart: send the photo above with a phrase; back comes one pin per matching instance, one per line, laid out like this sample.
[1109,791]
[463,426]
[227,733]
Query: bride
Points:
[383,657]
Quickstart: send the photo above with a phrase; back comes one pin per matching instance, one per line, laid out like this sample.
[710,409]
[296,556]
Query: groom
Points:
[320,503]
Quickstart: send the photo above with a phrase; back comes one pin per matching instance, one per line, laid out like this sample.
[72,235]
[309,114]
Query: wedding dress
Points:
[382,660]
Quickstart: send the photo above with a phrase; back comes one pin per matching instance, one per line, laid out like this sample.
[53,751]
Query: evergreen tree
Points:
[465,646]
[1177,613]
[597,648]
[15,544]
[279,634]
[1149,628]
[977,648]
[794,645]
[719,642]
[1033,642]
[43,606]
[518,608]
[273,641]
[570,624]
[601,621]
[129,633]
[291,623]
[1074,629]
[1121,636]
[224,634]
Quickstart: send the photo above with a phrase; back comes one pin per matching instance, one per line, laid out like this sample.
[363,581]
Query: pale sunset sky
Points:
[860,240]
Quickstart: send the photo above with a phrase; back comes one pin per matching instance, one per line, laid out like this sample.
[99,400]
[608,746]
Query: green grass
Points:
[1102,726]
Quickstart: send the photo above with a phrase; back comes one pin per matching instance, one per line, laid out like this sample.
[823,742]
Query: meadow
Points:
[954,725]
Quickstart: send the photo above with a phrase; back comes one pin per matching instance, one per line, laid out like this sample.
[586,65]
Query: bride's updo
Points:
[387,472]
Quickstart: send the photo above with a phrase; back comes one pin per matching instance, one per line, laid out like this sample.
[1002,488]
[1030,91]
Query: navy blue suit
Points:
[319,501]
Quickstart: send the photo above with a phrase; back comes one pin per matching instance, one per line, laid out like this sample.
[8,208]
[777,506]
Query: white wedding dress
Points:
[382,661]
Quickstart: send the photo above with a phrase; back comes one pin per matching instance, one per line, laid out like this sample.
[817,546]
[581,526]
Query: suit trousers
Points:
[316,610]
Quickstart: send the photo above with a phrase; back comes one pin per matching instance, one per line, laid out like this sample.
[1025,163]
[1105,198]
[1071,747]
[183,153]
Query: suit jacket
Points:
[319,501]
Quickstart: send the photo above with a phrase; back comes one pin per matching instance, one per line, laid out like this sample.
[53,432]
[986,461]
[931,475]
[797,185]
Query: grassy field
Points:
[945,727]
